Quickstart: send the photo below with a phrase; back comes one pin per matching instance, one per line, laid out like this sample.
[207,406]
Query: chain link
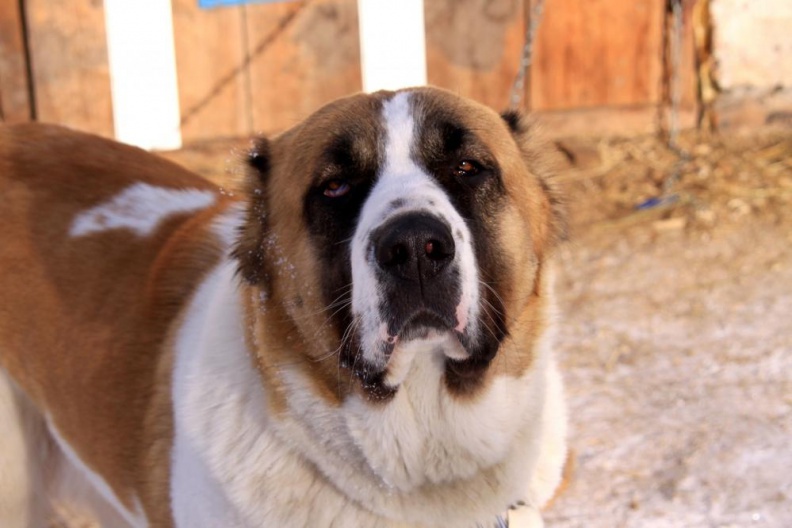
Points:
[675,88]
[527,55]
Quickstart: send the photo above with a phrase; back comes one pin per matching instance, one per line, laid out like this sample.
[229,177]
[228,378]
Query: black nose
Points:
[414,246]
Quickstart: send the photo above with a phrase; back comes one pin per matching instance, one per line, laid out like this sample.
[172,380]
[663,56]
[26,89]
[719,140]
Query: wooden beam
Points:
[474,47]
[302,55]
[214,79]
[15,104]
[392,44]
[68,53]
[598,53]
[143,73]
[609,121]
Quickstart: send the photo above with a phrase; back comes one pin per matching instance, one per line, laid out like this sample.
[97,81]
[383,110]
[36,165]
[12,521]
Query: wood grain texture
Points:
[598,53]
[69,61]
[302,55]
[686,69]
[604,121]
[15,104]
[474,47]
[213,81]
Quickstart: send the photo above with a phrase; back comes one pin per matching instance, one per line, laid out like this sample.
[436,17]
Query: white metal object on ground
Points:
[143,80]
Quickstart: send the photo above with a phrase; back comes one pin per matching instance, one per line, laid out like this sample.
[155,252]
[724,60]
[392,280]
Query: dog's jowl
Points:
[358,338]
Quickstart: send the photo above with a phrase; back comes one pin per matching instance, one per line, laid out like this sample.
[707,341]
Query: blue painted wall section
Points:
[207,4]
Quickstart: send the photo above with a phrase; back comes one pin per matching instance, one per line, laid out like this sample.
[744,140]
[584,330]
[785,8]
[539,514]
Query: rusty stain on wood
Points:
[314,60]
[474,47]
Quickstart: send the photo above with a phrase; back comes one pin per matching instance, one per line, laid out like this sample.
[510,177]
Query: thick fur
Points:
[360,338]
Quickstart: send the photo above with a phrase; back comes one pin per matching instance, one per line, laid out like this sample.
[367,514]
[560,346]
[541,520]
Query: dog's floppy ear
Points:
[249,249]
[515,120]
[534,151]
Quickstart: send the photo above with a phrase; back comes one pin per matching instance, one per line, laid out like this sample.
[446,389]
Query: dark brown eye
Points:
[336,188]
[466,168]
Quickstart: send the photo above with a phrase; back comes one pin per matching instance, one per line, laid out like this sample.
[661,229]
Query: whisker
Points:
[338,301]
[345,241]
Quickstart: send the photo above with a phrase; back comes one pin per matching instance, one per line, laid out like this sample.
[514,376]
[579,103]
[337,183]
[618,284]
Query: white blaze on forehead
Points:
[401,181]
[141,208]
[400,131]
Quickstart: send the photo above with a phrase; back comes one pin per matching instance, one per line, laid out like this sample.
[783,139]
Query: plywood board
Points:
[598,53]
[301,56]
[474,47]
[69,63]
[14,95]
[600,121]
[213,79]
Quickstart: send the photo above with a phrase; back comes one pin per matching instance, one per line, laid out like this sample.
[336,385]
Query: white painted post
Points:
[392,44]
[143,79]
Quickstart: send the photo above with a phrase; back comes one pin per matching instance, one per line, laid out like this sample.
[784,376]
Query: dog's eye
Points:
[336,188]
[466,168]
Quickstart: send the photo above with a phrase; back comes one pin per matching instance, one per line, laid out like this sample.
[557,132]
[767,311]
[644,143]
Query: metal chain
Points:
[527,54]
[675,51]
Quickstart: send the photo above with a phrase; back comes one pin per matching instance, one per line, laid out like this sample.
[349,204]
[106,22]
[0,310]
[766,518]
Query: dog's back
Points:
[87,225]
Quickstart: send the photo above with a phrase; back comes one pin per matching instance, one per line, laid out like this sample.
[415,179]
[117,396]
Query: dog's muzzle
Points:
[414,253]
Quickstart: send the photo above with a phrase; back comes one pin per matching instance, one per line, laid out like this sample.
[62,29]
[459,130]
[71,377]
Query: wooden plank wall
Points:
[474,47]
[14,89]
[261,68]
[68,54]
[310,56]
[212,84]
[595,53]
[598,65]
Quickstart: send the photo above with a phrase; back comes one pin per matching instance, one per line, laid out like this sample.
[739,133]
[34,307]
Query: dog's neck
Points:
[424,447]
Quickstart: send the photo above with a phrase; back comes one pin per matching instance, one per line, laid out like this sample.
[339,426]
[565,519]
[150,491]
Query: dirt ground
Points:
[675,336]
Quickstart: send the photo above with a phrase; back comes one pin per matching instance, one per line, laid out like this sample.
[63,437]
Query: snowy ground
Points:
[677,351]
[676,338]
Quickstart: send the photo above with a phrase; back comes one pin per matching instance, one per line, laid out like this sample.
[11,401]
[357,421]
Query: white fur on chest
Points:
[424,458]
[228,468]
[428,436]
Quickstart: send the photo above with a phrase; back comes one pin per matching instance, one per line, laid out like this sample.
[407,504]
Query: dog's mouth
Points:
[423,331]
[419,325]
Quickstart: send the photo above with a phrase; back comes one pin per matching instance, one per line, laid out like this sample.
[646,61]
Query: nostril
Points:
[399,254]
[413,246]
[389,255]
[437,250]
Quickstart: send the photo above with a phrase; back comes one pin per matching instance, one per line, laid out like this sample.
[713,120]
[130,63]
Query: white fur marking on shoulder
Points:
[136,518]
[226,225]
[141,208]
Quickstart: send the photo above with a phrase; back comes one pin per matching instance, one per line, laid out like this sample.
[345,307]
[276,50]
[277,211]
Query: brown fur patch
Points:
[83,321]
[278,257]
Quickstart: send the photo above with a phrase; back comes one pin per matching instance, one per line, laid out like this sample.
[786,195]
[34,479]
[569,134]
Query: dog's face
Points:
[391,225]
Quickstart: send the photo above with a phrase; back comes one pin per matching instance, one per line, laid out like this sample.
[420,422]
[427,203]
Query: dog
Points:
[360,337]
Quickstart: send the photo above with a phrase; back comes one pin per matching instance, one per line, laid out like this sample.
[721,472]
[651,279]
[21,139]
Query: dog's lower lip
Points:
[420,324]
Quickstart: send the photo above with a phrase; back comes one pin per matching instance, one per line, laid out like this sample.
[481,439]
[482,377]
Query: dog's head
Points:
[393,225]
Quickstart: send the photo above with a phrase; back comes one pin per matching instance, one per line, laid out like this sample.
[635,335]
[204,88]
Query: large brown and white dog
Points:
[359,340]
